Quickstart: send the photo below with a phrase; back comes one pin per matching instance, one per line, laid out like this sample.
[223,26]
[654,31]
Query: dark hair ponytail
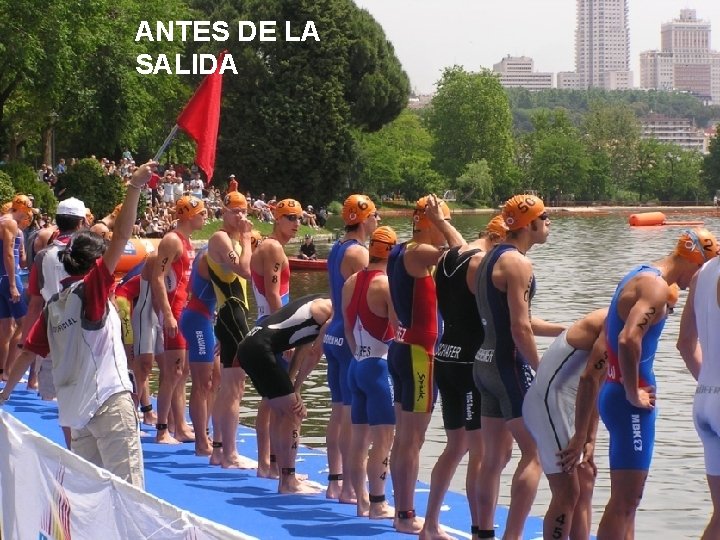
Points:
[81,253]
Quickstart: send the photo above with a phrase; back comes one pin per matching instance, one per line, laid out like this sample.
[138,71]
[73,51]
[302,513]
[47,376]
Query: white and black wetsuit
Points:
[501,373]
[462,336]
[290,326]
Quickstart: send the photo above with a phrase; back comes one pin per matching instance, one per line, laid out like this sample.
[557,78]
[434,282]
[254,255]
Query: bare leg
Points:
[377,469]
[142,366]
[13,345]
[497,444]
[442,475]
[332,441]
[226,417]
[201,373]
[287,444]
[472,481]
[410,436]
[357,473]
[525,480]
[170,363]
[626,490]
[347,493]
[183,432]
[6,328]
[559,518]
[266,469]
[582,517]
[713,529]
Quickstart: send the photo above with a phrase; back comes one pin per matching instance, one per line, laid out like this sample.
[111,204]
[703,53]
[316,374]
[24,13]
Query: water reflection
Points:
[577,271]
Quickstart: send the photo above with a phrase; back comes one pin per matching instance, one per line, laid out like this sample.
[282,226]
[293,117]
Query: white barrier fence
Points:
[49,493]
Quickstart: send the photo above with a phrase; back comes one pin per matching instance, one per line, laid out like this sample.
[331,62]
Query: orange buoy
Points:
[647,218]
[136,250]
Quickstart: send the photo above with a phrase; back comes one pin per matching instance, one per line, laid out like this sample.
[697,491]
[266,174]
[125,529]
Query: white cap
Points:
[231,176]
[71,207]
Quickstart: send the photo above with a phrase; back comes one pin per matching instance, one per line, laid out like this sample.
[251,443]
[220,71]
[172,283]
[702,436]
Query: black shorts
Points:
[459,396]
[231,327]
[260,363]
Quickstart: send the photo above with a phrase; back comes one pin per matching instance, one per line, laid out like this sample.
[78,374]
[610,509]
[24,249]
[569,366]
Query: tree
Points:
[711,165]
[288,116]
[87,181]
[25,180]
[475,184]
[470,121]
[560,166]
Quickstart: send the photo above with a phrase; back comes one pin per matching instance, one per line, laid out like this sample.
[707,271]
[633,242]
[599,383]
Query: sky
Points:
[429,35]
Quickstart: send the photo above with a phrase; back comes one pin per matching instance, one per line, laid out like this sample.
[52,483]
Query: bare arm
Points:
[9,233]
[586,412]
[126,219]
[222,251]
[347,293]
[169,249]
[646,311]
[544,328]
[273,260]
[687,342]
[518,271]
[309,358]
[434,213]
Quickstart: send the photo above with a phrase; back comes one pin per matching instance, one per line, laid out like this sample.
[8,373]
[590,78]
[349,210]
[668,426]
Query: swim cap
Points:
[520,210]
[188,207]
[697,245]
[255,239]
[235,199]
[287,207]
[357,208]
[22,203]
[497,226]
[382,241]
[673,295]
[419,216]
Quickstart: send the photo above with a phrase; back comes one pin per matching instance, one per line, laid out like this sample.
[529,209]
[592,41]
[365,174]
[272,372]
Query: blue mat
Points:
[240,500]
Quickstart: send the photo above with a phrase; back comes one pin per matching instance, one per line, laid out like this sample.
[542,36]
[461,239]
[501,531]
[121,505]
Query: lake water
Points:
[577,271]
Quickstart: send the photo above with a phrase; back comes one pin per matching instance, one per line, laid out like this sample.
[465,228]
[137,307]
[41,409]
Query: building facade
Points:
[677,131]
[685,62]
[519,72]
[602,45]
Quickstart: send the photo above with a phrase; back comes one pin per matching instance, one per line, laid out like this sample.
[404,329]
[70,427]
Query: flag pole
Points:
[167,142]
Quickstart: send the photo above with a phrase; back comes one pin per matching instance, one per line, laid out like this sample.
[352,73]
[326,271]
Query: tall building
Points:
[519,72]
[685,61]
[602,45]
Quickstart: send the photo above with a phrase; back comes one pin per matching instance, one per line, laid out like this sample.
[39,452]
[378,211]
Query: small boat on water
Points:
[307,264]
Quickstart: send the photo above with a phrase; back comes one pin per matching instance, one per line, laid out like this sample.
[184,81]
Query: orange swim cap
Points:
[255,238]
[697,245]
[497,227]
[520,210]
[357,208]
[22,203]
[287,207]
[235,199]
[382,241]
[419,216]
[188,207]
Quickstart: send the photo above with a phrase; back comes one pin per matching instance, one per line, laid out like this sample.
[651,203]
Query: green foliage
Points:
[711,165]
[288,115]
[475,184]
[335,207]
[7,191]
[382,164]
[25,180]
[87,181]
[470,120]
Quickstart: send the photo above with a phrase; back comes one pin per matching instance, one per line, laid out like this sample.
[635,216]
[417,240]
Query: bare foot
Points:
[333,490]
[164,437]
[410,526]
[381,511]
[299,487]
[268,471]
[347,496]
[363,507]
[216,457]
[32,384]
[435,534]
[149,418]
[185,435]
[203,450]
[239,462]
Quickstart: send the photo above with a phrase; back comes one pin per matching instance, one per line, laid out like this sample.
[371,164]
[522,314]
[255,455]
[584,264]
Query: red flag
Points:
[201,118]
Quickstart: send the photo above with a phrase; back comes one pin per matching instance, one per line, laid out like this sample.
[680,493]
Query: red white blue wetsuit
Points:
[368,376]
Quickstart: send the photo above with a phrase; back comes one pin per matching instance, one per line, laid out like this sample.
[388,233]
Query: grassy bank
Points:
[262,226]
